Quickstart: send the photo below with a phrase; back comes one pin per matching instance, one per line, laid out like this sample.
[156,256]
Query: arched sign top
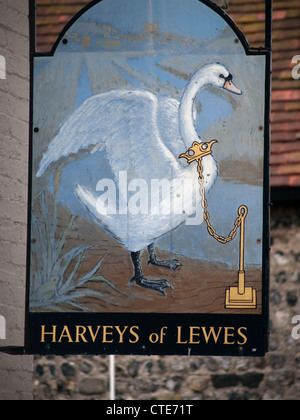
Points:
[106,25]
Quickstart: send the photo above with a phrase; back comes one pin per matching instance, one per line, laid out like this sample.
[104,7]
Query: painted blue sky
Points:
[168,13]
[124,22]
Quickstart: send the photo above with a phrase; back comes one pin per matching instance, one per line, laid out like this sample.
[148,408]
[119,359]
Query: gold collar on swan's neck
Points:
[198,151]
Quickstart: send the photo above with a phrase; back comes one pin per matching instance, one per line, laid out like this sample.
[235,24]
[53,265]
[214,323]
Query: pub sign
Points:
[149,185]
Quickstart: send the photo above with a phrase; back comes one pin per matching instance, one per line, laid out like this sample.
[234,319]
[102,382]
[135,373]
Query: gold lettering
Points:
[106,333]
[121,333]
[53,333]
[243,336]
[154,338]
[179,341]
[211,332]
[194,334]
[227,335]
[65,334]
[80,334]
[162,334]
[94,336]
[132,332]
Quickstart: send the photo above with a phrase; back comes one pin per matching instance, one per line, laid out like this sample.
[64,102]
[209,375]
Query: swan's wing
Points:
[126,123]
[80,131]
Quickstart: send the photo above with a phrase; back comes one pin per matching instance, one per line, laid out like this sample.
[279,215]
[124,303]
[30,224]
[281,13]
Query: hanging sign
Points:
[149,185]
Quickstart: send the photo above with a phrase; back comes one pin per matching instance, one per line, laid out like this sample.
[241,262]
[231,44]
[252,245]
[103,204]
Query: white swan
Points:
[143,135]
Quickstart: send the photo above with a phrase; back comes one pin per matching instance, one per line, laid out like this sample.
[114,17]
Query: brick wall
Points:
[15,372]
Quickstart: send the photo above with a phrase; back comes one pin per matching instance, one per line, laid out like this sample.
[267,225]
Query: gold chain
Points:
[211,230]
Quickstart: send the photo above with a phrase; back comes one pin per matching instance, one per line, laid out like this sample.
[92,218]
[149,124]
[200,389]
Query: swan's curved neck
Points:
[186,118]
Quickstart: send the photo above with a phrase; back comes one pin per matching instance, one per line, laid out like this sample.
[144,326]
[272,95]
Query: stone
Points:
[275,297]
[273,344]
[68,370]
[225,381]
[292,298]
[279,379]
[277,361]
[102,367]
[297,257]
[149,367]
[62,386]
[296,277]
[225,363]
[297,362]
[236,396]
[39,369]
[121,388]
[168,396]
[145,386]
[252,379]
[85,367]
[242,364]
[173,383]
[199,383]
[52,369]
[260,363]
[133,369]
[281,259]
[212,364]
[281,278]
[92,386]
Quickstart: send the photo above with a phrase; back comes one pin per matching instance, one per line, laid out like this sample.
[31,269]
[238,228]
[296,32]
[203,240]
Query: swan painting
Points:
[142,135]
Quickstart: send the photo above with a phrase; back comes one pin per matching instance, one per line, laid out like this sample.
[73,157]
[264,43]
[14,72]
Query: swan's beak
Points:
[232,88]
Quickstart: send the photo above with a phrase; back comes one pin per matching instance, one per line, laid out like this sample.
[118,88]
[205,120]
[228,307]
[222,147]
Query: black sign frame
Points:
[156,334]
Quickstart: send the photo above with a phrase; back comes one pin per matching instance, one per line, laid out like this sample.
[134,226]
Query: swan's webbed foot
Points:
[156,285]
[173,264]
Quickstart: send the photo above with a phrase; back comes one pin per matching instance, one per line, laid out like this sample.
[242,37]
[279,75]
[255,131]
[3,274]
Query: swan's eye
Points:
[228,78]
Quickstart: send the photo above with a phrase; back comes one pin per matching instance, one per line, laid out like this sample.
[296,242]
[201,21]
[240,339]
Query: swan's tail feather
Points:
[102,211]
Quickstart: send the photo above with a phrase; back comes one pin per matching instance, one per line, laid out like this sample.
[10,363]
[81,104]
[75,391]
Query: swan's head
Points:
[219,76]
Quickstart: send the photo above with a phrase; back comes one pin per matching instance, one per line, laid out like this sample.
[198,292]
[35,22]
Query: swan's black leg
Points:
[157,285]
[171,264]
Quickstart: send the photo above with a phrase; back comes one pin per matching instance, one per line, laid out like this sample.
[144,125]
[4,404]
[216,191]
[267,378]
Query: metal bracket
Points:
[14,351]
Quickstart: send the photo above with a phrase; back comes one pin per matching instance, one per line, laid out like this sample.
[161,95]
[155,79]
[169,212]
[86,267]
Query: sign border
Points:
[261,322]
